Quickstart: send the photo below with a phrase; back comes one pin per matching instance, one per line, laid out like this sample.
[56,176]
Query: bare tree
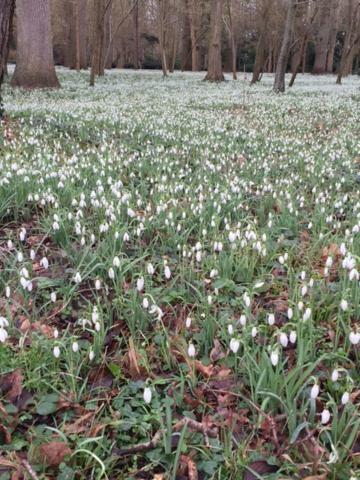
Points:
[323,36]
[214,72]
[34,55]
[279,84]
[162,36]
[6,13]
[264,14]
[352,38]
[231,30]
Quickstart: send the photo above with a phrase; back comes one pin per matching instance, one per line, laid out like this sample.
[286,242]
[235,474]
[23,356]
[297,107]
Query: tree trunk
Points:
[6,14]
[260,46]
[215,73]
[194,23]
[332,39]
[232,41]
[279,84]
[352,38]
[136,36]
[323,37]
[34,52]
[162,37]
[185,40]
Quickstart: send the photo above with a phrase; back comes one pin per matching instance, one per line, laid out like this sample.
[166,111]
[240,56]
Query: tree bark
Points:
[34,53]
[162,36]
[260,46]
[323,37]
[6,14]
[232,41]
[194,23]
[136,36]
[352,38]
[215,73]
[279,84]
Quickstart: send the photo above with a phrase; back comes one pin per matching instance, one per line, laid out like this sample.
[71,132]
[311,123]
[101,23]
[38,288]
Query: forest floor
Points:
[179,279]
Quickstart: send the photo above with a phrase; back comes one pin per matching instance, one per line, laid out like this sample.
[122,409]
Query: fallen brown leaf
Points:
[53,453]
[11,385]
[260,467]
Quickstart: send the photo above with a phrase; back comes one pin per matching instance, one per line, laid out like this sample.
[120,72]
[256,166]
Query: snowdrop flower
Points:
[254,332]
[22,234]
[97,284]
[354,338]
[3,322]
[292,337]
[303,275]
[209,299]
[290,313]
[335,375]
[150,269]
[77,278]
[191,350]
[32,254]
[53,297]
[271,319]
[307,314]
[147,395]
[56,351]
[353,275]
[44,262]
[232,237]
[344,305]
[116,262]
[188,322]
[56,333]
[145,303]
[274,357]
[91,355]
[7,291]
[281,260]
[345,398]
[247,300]
[325,416]
[97,327]
[9,244]
[234,345]
[126,237]
[75,347]
[314,392]
[140,284]
[230,329]
[111,273]
[243,320]
[198,256]
[214,273]
[329,262]
[303,290]
[20,257]
[283,339]
[167,272]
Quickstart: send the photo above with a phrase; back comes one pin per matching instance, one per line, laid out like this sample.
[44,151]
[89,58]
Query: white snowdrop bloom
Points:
[95,315]
[150,269]
[56,333]
[344,305]
[214,273]
[314,392]
[290,313]
[325,416]
[281,260]
[303,290]
[326,271]
[7,291]
[29,286]
[271,319]
[303,275]
[343,249]
[111,273]
[349,262]
[97,284]
[198,246]
[24,272]
[353,275]
[53,297]
[311,282]
[44,262]
[283,339]
[126,237]
[56,226]
[354,338]
[140,284]
[198,256]
[3,322]
[10,244]
[3,335]
[91,355]
[329,262]
[77,277]
[167,272]
[243,320]
[147,395]
[335,375]
[258,284]
[307,314]
[300,306]
[116,262]
[254,332]
[230,329]
[32,254]
[232,237]
[24,283]
[20,257]
[188,322]
[75,347]
[97,326]
[209,299]
[191,350]
[274,357]
[293,336]
[345,398]
[247,300]
[131,212]
[22,234]
[56,351]
[145,303]
[234,345]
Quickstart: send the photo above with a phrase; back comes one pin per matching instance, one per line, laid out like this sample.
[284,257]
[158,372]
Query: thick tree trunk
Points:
[185,41]
[232,41]
[34,54]
[323,37]
[332,39]
[279,84]
[6,14]
[215,73]
[136,36]
[260,46]
[352,38]
[162,36]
